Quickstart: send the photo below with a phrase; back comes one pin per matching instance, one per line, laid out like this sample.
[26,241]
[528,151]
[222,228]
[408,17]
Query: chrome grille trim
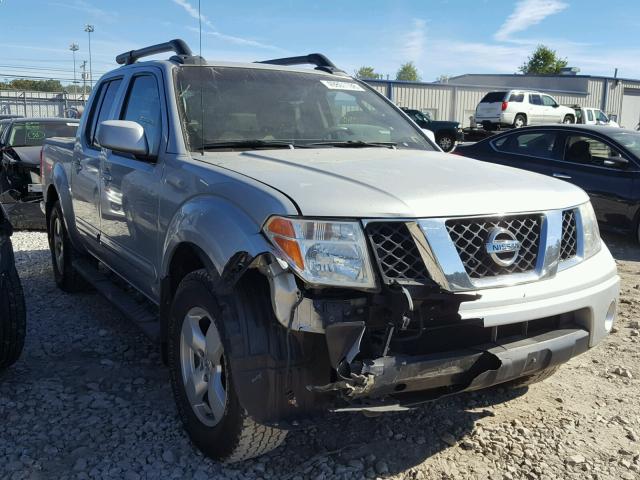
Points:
[470,236]
[569,245]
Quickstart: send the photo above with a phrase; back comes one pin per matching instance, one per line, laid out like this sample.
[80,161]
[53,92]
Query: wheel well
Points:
[186,259]
[51,199]
[523,114]
[573,117]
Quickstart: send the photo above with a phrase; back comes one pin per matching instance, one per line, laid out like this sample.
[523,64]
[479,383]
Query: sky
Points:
[442,37]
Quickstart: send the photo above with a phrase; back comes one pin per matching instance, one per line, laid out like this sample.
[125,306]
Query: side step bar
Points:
[136,311]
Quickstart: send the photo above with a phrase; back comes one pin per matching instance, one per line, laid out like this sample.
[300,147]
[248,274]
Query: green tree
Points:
[408,72]
[364,73]
[543,61]
[33,85]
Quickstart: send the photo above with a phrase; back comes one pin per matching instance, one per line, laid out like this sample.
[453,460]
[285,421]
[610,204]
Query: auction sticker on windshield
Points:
[335,85]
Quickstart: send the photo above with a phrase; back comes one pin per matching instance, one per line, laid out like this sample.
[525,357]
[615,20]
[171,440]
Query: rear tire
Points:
[13,322]
[63,253]
[568,119]
[519,121]
[531,379]
[446,142]
[210,411]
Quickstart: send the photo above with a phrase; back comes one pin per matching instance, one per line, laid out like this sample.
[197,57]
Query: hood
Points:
[380,182]
[27,155]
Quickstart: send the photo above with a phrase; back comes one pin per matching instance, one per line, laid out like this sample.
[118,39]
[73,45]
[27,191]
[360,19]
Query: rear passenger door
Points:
[130,184]
[85,170]
[586,163]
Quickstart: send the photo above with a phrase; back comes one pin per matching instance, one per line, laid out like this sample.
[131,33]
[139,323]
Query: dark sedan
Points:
[604,161]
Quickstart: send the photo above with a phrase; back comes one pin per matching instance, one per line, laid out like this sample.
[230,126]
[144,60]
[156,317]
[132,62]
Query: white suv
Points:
[517,108]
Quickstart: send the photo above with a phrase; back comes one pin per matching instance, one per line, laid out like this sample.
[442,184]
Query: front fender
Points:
[216,226]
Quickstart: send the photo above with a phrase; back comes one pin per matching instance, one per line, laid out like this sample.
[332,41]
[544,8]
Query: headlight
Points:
[323,252]
[590,232]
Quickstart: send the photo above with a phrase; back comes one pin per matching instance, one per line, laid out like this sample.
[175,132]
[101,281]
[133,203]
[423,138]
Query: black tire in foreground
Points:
[202,381]
[531,379]
[63,253]
[13,322]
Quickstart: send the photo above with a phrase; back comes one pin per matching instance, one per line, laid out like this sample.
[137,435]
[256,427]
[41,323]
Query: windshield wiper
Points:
[245,144]
[354,144]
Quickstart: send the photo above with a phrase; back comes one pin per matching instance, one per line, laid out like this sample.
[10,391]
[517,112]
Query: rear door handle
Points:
[564,176]
[106,176]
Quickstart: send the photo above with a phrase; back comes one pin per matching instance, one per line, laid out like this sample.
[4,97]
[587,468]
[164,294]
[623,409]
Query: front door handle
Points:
[106,177]
[564,176]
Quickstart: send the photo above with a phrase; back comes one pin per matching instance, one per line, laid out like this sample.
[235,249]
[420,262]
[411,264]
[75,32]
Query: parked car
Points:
[20,144]
[447,133]
[604,161]
[517,108]
[308,249]
[593,116]
[12,308]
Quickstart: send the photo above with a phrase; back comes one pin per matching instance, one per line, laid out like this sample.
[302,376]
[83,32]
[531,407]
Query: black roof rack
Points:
[319,60]
[177,45]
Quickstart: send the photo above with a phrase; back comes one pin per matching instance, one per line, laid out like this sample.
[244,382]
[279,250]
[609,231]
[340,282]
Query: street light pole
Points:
[74,48]
[84,78]
[89,29]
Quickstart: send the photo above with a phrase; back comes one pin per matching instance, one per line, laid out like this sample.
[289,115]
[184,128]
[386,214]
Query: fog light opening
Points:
[611,316]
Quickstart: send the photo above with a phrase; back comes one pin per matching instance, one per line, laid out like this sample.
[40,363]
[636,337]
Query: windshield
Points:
[630,140]
[32,134]
[223,105]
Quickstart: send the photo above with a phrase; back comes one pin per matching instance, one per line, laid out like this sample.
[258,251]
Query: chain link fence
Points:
[41,104]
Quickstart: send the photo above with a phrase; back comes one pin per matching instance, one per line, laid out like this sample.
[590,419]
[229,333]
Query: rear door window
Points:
[535,144]
[493,97]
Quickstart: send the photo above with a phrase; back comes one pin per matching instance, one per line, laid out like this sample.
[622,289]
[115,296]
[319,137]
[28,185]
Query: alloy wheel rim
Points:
[445,143]
[203,367]
[58,245]
[519,122]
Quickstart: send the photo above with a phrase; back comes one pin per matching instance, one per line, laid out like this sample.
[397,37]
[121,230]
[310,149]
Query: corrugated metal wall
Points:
[458,102]
[37,104]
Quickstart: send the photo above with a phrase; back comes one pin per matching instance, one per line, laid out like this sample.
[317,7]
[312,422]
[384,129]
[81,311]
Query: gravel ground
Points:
[90,399]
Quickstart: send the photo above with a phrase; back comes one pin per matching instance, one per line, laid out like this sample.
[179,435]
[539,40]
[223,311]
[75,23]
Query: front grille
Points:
[470,237]
[396,253]
[569,242]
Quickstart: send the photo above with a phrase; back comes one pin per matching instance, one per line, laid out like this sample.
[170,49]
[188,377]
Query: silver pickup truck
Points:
[297,245]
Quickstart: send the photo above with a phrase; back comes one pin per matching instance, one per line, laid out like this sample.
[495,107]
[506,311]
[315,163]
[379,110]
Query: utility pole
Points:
[74,48]
[89,29]
[84,78]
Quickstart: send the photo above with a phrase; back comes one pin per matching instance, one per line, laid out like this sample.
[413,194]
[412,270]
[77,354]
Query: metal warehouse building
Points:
[457,99]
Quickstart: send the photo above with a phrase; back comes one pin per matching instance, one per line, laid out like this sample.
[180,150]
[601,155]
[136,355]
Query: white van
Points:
[517,108]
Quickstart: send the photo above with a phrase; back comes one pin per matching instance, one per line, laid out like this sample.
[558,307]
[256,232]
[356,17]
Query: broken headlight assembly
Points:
[323,252]
[591,233]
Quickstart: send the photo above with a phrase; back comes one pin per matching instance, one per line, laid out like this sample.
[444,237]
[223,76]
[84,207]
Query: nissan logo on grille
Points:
[502,246]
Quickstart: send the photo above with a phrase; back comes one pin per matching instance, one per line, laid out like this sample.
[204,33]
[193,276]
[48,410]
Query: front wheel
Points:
[201,378]
[568,119]
[446,142]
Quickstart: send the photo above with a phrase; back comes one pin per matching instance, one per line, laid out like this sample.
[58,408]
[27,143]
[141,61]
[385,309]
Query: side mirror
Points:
[555,105]
[616,162]
[123,136]
[430,135]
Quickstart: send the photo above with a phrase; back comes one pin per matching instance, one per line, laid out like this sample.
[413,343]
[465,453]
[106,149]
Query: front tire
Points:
[63,253]
[446,142]
[13,322]
[202,382]
[519,121]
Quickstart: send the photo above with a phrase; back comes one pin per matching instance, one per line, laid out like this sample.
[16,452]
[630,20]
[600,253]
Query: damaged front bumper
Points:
[401,382]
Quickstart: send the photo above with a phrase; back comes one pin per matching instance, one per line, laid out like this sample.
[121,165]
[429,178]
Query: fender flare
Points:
[60,183]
